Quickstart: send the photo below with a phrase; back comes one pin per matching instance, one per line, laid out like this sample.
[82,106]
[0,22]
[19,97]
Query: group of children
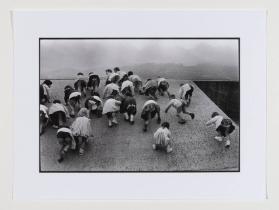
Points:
[118,96]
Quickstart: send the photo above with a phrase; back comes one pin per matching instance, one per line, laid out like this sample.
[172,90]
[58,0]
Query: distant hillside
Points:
[151,70]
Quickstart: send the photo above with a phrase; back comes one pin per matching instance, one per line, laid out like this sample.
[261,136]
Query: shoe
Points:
[144,129]
[154,146]
[132,122]
[218,138]
[192,115]
[227,146]
[60,160]
[169,150]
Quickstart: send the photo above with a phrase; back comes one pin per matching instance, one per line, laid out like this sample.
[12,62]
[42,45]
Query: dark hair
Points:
[95,94]
[172,96]
[165,125]
[214,114]
[80,73]
[130,73]
[109,70]
[125,77]
[47,82]
[116,69]
[181,84]
[57,101]
[128,93]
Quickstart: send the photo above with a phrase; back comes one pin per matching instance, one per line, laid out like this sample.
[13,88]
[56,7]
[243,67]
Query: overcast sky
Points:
[90,53]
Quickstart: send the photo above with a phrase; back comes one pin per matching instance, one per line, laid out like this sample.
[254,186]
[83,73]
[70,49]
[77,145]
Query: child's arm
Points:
[105,92]
[158,114]
[170,104]
[180,92]
[211,121]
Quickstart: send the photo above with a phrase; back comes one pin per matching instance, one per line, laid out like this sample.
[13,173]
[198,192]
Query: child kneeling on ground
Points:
[180,106]
[163,138]
[66,140]
[224,127]
[111,107]
[81,129]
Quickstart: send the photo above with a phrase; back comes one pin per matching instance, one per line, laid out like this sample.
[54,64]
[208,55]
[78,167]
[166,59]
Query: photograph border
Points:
[150,38]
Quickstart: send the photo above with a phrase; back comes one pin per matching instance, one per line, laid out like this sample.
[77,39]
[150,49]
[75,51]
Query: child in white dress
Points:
[81,129]
[111,107]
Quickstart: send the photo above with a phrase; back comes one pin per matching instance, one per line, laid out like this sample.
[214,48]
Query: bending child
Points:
[224,127]
[129,107]
[180,107]
[186,92]
[66,140]
[81,129]
[149,110]
[58,114]
[111,107]
[163,138]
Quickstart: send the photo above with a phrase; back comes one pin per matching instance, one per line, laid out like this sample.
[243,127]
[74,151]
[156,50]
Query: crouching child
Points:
[129,108]
[80,84]
[95,106]
[163,86]
[149,110]
[93,82]
[150,88]
[43,118]
[162,138]
[74,102]
[180,106]
[186,92]
[66,140]
[81,129]
[111,107]
[224,128]
[58,114]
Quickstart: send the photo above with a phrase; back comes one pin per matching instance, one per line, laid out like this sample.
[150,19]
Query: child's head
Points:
[214,114]
[125,78]
[165,125]
[83,112]
[48,82]
[108,71]
[172,96]
[128,93]
[181,84]
[116,69]
[130,73]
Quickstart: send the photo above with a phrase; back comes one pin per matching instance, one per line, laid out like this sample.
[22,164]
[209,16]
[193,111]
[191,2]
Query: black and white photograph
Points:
[139,104]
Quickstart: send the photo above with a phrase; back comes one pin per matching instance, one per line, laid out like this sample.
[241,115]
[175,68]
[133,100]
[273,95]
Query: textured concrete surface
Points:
[127,148]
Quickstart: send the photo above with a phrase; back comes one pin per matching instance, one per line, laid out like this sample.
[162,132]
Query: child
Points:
[45,91]
[93,82]
[111,89]
[58,114]
[80,84]
[95,105]
[149,110]
[127,86]
[163,86]
[74,102]
[43,118]
[224,127]
[111,77]
[81,129]
[67,92]
[129,107]
[121,75]
[180,107]
[136,81]
[163,138]
[111,107]
[185,93]
[150,88]
[66,140]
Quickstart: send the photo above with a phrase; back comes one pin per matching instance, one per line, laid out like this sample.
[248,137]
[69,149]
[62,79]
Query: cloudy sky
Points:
[90,53]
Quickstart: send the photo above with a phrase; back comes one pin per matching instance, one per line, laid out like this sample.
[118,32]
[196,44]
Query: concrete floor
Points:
[127,148]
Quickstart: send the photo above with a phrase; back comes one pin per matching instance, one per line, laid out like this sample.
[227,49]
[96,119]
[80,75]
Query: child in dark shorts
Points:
[66,140]
[224,127]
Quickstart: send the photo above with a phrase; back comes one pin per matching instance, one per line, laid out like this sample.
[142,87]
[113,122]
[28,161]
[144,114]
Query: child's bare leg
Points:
[219,137]
[114,120]
[60,121]
[109,120]
[72,108]
[82,145]
[131,119]
[126,116]
[146,122]
[228,142]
